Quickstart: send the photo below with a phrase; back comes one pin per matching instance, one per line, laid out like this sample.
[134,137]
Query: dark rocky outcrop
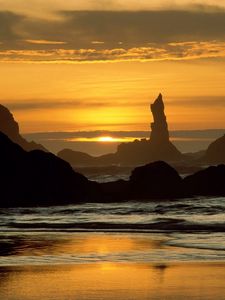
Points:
[215,154]
[158,180]
[208,182]
[155,180]
[138,152]
[38,178]
[115,191]
[11,128]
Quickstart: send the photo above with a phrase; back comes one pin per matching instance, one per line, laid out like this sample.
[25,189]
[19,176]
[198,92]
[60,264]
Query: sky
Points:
[98,64]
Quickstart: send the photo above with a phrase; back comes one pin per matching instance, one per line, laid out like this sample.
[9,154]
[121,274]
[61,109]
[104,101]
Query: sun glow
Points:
[107,139]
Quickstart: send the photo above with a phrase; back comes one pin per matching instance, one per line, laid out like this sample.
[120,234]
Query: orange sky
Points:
[73,70]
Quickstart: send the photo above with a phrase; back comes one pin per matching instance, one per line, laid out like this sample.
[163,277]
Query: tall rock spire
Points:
[159,134]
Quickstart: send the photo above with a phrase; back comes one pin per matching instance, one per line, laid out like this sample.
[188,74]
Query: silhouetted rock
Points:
[159,133]
[138,152]
[76,158]
[158,147]
[80,159]
[215,153]
[38,178]
[155,180]
[208,182]
[11,128]
[115,191]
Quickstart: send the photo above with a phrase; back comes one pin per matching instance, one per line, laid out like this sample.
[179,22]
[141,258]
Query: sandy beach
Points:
[107,266]
[114,281]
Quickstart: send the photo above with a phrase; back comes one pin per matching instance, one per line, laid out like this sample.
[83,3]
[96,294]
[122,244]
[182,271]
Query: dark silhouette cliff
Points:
[138,152]
[11,128]
[38,178]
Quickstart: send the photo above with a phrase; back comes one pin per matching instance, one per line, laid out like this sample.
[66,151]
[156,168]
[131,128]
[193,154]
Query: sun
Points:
[106,139]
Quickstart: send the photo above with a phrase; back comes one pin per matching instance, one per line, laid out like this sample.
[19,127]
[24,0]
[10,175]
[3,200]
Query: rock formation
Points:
[138,152]
[208,182]
[37,178]
[158,180]
[81,159]
[215,154]
[159,133]
[155,180]
[11,128]
[158,147]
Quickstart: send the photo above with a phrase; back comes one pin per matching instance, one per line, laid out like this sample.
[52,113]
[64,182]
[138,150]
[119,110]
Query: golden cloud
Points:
[45,42]
[171,51]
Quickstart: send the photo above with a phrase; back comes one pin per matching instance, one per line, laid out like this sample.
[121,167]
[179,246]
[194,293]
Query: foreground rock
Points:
[155,180]
[208,182]
[37,178]
[11,128]
[159,180]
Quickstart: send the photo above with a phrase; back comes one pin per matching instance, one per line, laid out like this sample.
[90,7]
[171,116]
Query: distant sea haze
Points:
[92,143]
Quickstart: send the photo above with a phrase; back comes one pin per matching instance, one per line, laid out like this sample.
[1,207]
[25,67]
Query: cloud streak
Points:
[45,42]
[214,101]
[171,51]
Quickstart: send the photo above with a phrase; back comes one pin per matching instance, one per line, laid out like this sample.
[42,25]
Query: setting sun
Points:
[106,139]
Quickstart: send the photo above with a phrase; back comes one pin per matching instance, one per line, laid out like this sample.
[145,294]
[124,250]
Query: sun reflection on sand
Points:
[103,277]
[113,280]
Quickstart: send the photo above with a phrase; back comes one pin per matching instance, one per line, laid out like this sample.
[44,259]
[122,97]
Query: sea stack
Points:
[159,133]
[138,152]
[160,147]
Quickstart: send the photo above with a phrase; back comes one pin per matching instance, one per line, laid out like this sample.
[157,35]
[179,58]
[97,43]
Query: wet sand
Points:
[93,266]
[113,281]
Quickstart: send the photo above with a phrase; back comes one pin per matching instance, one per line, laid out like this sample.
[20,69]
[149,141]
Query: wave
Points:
[163,225]
[199,214]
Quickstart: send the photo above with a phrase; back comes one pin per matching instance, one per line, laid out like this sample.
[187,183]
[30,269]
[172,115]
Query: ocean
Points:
[196,225]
